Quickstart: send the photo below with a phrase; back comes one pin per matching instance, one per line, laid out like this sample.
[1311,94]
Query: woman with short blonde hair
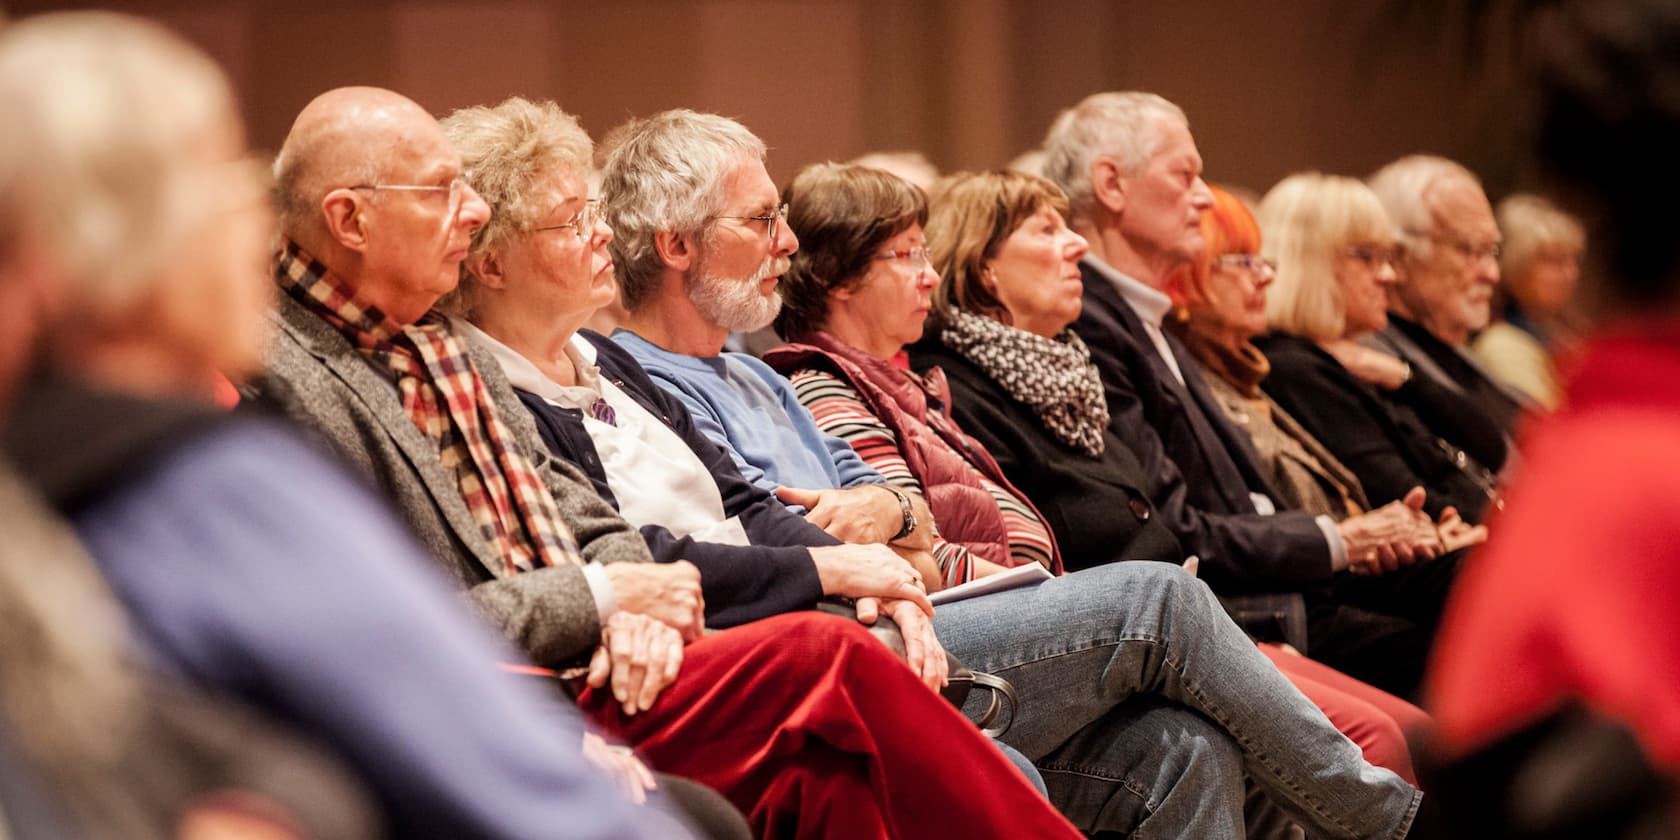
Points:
[1336,259]
[1324,213]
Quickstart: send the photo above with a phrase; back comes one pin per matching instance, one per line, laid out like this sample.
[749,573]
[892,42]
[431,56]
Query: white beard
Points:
[736,305]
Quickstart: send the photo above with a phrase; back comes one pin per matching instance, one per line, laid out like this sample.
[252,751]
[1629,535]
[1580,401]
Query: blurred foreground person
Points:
[249,563]
[1539,267]
[1572,599]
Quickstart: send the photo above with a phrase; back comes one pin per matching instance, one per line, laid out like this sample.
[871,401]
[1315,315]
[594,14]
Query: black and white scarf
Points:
[1053,376]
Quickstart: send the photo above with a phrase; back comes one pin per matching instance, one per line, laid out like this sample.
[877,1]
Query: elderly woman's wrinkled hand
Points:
[922,650]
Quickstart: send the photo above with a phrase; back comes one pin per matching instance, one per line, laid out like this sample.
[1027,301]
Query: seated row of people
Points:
[658,517]
[1096,687]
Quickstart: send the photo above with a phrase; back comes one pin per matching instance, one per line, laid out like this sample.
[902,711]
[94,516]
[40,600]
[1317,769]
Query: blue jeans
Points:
[1099,654]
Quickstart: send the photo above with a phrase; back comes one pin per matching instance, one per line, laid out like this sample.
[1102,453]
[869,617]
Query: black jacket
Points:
[1095,506]
[1199,468]
[1380,440]
[1478,416]
[740,583]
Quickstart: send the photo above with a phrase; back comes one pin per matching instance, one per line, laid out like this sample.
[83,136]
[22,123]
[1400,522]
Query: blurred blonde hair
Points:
[106,121]
[505,150]
[1530,224]
[1305,220]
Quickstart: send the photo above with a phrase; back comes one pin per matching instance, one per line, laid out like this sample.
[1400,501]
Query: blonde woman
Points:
[1335,251]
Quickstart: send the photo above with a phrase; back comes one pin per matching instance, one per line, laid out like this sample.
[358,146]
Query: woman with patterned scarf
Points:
[858,291]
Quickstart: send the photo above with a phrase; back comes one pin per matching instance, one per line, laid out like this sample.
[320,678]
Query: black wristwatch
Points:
[909,521]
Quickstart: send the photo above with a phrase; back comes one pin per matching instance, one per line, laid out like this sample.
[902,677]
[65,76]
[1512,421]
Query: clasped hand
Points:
[639,656]
[922,650]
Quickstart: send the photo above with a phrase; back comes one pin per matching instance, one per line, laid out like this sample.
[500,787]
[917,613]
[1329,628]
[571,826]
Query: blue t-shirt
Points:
[252,565]
[751,411]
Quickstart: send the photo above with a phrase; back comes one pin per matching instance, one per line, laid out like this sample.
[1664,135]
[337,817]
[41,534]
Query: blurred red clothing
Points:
[1575,594]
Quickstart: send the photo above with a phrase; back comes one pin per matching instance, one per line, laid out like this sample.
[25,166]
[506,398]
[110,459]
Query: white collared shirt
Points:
[655,477]
[1150,304]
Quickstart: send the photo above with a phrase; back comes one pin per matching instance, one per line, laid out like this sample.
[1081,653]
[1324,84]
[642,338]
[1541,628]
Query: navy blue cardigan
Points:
[774,575]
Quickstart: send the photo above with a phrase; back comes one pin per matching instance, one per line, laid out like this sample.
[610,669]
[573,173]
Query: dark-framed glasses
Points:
[1253,263]
[583,222]
[916,258]
[771,221]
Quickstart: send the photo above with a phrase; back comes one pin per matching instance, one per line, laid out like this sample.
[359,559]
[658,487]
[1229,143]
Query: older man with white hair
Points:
[1448,270]
[1133,176]
[1140,701]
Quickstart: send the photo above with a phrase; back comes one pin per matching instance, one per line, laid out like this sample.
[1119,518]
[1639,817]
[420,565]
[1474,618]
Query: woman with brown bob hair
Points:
[856,294]
[846,363]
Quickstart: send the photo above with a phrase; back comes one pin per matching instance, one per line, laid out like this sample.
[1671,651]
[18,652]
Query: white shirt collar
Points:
[524,375]
[1150,304]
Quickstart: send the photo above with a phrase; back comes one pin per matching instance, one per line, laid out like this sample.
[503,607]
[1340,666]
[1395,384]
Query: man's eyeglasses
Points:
[1468,250]
[583,223]
[1374,256]
[770,221]
[916,258]
[1253,263]
[456,189]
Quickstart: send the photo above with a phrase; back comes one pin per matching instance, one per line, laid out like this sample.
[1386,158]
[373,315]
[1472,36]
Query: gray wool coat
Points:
[316,377]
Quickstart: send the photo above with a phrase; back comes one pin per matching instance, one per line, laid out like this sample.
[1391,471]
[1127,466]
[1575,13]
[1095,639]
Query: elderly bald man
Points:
[804,720]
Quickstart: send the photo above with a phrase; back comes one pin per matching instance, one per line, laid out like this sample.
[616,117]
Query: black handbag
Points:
[960,679]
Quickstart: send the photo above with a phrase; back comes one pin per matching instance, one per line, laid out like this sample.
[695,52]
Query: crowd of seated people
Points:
[501,540]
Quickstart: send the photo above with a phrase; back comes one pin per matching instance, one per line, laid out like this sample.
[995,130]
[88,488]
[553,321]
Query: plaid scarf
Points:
[448,402]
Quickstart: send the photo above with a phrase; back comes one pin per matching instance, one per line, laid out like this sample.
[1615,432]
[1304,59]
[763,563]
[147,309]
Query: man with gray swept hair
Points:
[1448,270]
[703,244]
[1124,747]
[1133,175]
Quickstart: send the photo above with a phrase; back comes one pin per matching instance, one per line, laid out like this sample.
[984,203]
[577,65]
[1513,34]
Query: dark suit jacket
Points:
[1096,507]
[1450,393]
[1199,468]
[740,583]
[1382,441]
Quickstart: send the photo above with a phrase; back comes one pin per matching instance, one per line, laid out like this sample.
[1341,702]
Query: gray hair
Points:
[104,114]
[1121,125]
[1404,187]
[505,150]
[665,173]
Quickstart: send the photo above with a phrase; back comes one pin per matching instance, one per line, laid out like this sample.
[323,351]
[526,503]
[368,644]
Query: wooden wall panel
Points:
[1270,87]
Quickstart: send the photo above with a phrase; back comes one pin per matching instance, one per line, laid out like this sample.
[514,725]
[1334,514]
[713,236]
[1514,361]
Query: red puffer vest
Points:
[964,510]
